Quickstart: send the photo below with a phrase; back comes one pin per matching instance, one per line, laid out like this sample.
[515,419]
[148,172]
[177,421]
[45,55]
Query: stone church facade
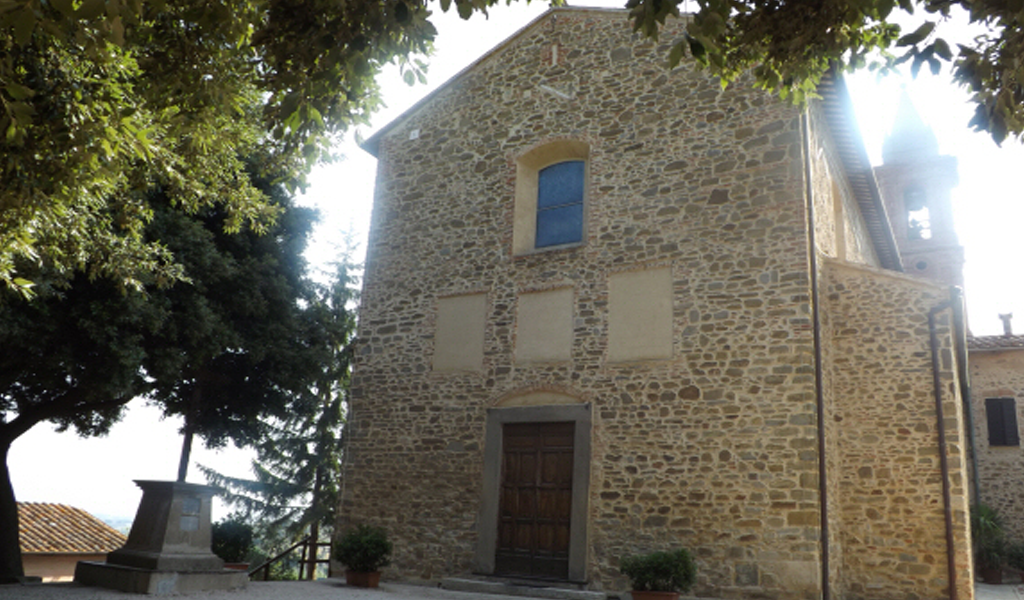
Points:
[610,308]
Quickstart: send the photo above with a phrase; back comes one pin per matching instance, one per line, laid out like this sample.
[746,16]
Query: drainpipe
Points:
[819,381]
[956,297]
[943,460]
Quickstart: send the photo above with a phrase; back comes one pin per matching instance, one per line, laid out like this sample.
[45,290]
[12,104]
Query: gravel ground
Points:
[334,589]
[322,589]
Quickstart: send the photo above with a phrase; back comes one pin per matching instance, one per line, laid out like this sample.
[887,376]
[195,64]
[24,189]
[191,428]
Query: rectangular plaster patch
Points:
[544,326]
[640,315]
[459,339]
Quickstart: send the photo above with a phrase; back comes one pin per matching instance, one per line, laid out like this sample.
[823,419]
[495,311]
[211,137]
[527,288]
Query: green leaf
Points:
[697,50]
[24,23]
[915,67]
[117,31]
[66,7]
[401,12]
[18,91]
[90,9]
[409,77]
[918,36]
[676,54]
[942,49]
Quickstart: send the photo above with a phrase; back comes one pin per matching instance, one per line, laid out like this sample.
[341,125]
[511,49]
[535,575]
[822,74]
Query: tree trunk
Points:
[314,529]
[10,550]
[186,451]
[186,444]
[314,551]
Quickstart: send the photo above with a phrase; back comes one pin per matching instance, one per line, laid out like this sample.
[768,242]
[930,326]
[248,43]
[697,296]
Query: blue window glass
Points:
[560,204]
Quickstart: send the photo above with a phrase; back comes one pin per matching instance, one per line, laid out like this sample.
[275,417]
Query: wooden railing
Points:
[307,564]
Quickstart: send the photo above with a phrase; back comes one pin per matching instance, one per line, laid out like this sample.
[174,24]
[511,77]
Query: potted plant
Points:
[363,550]
[989,543]
[232,542]
[659,575]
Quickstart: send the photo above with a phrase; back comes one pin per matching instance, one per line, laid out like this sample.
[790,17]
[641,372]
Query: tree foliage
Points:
[789,44]
[228,349]
[101,100]
[297,469]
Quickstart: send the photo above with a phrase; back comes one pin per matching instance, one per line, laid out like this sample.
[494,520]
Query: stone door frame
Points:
[487,523]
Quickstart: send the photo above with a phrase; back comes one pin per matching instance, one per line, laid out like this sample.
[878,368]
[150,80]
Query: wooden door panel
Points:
[535,500]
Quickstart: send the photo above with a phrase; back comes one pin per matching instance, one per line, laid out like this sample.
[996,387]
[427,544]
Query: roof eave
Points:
[372,143]
[838,109]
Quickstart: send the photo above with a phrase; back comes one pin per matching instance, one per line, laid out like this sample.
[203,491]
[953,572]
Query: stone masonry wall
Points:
[999,374]
[890,498]
[840,230]
[713,449]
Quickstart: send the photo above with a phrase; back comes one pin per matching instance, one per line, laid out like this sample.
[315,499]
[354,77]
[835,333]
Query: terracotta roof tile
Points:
[59,528]
[995,342]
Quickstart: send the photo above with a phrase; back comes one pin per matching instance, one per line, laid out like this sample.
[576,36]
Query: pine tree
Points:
[297,469]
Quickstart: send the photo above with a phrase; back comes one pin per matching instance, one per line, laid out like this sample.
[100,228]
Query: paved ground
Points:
[983,591]
[323,589]
[335,589]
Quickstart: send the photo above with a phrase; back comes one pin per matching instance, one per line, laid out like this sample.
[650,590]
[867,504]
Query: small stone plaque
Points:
[189,523]
[190,506]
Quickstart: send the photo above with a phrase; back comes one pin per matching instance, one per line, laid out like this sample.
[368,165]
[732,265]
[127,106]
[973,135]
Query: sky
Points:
[96,474]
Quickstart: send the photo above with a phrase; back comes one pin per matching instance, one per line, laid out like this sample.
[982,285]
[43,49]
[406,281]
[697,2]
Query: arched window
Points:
[551,197]
[919,225]
[560,204]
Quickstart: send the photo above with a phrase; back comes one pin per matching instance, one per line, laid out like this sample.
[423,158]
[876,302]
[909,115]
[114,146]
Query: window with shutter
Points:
[1002,422]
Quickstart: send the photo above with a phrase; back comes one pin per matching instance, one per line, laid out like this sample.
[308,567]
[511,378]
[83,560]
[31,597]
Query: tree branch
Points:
[68,405]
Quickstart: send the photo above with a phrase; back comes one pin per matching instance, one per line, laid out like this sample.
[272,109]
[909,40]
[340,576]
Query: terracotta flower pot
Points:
[643,595]
[991,574]
[362,578]
[236,566]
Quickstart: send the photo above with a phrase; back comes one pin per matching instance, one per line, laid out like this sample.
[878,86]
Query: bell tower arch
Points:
[915,182]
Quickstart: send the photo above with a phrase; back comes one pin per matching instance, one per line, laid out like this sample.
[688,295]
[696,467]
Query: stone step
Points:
[538,589]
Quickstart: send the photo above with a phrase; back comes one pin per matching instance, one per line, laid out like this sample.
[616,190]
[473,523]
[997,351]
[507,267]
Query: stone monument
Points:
[168,549]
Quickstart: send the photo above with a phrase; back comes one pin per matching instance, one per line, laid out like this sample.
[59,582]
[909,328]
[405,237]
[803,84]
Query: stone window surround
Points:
[528,166]
[487,524]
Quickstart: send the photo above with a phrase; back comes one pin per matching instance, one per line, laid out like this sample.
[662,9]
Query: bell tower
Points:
[915,182]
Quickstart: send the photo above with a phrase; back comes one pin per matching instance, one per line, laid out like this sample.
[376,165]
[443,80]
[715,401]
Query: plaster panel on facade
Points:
[640,315]
[459,340]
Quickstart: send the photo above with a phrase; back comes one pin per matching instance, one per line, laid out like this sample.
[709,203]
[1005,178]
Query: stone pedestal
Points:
[168,549]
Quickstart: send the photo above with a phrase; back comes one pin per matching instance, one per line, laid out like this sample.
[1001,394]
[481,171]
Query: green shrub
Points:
[988,536]
[672,571]
[232,539]
[1015,555]
[364,549]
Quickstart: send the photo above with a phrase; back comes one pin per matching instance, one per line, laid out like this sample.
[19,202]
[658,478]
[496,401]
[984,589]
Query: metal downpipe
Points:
[933,339]
[819,389]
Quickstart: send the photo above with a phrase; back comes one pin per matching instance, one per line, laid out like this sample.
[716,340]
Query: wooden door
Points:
[536,500]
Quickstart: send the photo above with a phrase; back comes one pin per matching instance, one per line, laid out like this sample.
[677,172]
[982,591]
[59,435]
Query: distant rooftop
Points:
[61,529]
[995,342]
